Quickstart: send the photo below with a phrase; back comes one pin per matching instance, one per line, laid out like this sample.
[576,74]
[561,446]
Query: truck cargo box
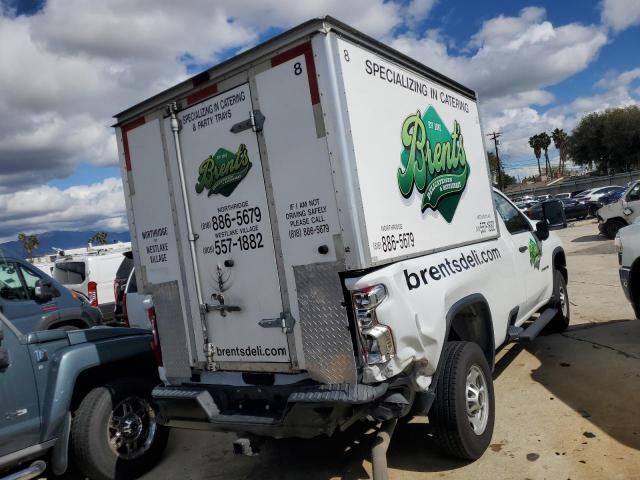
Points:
[252,186]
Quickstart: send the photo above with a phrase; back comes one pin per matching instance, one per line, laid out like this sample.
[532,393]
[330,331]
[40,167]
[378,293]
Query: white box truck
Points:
[317,234]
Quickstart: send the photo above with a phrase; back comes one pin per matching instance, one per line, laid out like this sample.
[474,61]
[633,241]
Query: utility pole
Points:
[495,136]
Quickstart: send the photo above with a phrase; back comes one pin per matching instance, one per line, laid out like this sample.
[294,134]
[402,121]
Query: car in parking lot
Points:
[627,244]
[550,210]
[35,301]
[574,209]
[612,196]
[560,196]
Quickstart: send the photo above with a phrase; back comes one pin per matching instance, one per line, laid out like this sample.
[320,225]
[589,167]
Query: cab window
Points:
[30,281]
[513,219]
[11,286]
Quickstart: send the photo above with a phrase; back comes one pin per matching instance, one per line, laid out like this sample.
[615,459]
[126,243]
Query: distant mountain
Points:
[58,239]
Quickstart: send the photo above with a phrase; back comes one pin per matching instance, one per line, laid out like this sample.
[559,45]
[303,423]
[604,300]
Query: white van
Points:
[92,275]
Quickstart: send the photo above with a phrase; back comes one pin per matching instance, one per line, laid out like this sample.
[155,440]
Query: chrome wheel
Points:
[132,428]
[477,400]
[563,301]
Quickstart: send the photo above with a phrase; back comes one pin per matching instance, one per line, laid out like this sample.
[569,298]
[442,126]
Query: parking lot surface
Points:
[566,405]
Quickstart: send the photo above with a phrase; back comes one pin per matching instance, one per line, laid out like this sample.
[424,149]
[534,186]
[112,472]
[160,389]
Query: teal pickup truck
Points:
[81,394]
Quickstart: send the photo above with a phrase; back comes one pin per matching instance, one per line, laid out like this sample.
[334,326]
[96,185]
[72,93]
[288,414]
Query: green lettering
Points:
[414,139]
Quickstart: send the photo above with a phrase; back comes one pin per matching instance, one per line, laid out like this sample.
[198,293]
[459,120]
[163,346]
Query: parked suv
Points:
[35,301]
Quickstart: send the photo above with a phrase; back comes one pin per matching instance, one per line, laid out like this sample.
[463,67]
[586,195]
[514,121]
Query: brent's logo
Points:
[434,161]
[223,171]
[535,253]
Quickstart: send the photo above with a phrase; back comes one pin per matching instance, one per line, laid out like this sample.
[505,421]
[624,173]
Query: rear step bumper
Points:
[275,411]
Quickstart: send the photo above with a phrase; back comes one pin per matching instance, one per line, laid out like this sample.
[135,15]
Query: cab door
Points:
[19,411]
[531,261]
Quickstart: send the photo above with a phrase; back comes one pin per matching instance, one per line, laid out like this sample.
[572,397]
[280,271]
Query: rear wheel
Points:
[114,433]
[463,413]
[612,226]
[560,322]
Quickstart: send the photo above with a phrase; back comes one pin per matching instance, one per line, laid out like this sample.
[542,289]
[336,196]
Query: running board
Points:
[519,334]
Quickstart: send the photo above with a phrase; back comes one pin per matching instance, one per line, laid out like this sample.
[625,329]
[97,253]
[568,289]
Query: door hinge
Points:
[255,122]
[285,321]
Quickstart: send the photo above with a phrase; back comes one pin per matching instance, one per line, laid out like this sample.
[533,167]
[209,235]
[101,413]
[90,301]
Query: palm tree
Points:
[29,243]
[100,238]
[545,142]
[534,142]
[560,141]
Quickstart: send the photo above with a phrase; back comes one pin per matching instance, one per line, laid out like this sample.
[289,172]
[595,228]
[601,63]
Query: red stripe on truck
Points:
[202,94]
[304,49]
[125,141]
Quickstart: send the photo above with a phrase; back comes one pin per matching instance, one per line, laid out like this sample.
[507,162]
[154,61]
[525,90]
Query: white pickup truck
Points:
[319,241]
[614,216]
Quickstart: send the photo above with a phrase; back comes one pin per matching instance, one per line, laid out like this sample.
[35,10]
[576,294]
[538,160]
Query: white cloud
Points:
[42,208]
[620,14]
[418,10]
[510,55]
[77,62]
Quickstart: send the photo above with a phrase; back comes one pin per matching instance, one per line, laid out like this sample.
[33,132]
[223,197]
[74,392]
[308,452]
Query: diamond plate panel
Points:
[173,338]
[326,341]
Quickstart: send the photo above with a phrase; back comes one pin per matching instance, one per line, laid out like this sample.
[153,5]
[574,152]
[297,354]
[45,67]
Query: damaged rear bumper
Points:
[276,411]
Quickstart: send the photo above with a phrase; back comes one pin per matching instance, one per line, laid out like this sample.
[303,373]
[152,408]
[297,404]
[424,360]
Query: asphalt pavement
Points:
[566,405]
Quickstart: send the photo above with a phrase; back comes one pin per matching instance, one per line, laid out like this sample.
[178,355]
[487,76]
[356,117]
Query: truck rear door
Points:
[236,258]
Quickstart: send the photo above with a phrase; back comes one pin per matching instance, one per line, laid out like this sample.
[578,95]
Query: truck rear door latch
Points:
[255,122]
[221,307]
[285,321]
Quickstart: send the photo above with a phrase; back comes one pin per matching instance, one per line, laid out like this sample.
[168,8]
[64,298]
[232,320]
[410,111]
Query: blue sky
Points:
[536,65]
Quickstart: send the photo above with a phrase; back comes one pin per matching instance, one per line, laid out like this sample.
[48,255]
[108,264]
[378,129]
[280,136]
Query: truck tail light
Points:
[92,293]
[155,340]
[376,339]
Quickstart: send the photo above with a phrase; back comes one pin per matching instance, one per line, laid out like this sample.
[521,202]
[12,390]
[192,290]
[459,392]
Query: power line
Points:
[495,136]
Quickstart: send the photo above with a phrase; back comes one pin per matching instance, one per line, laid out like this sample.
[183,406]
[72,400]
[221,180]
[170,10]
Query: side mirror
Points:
[542,230]
[553,213]
[44,291]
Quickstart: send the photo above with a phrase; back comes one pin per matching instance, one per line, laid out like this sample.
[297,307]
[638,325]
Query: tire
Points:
[462,365]
[93,431]
[582,217]
[593,210]
[560,322]
[612,226]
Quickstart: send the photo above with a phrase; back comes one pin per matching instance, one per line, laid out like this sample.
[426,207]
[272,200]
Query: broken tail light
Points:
[376,339]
